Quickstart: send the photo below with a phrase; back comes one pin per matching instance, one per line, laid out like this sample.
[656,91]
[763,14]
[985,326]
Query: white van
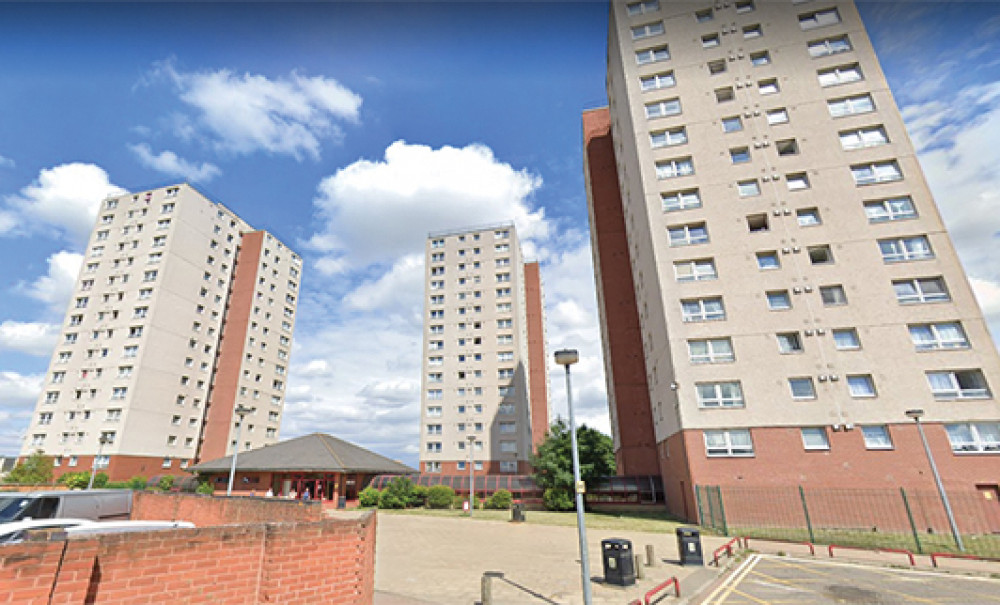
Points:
[94,505]
[20,531]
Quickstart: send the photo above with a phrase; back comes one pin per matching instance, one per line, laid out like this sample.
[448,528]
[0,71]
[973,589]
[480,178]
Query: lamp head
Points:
[915,414]
[243,410]
[567,357]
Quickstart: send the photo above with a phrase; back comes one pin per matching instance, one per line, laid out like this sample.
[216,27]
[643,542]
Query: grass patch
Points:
[651,522]
[983,546]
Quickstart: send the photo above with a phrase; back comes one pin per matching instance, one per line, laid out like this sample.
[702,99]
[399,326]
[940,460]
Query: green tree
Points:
[398,494]
[165,483]
[440,496]
[554,462]
[500,500]
[205,488]
[76,480]
[33,470]
[137,483]
[368,497]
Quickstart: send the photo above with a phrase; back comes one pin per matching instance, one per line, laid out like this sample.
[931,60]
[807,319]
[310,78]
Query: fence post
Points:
[722,510]
[805,511]
[486,586]
[711,506]
[913,526]
[701,512]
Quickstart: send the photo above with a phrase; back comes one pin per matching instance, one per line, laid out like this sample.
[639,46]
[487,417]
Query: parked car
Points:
[17,531]
[95,505]
[121,527]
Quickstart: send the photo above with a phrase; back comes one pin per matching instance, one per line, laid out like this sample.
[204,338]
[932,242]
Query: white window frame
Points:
[841,295]
[681,200]
[820,18]
[663,108]
[778,300]
[861,386]
[876,173]
[639,8]
[855,343]
[805,382]
[877,437]
[668,137]
[953,381]
[890,209]
[657,81]
[653,54]
[749,188]
[776,116]
[851,106]
[829,46]
[938,336]
[921,290]
[840,74]
[647,30]
[715,350]
[905,249]
[719,398]
[699,269]
[974,437]
[789,343]
[862,138]
[690,234]
[815,439]
[728,443]
[710,308]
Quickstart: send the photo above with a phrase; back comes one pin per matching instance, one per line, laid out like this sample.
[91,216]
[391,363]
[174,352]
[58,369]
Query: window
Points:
[719,395]
[740,155]
[778,300]
[820,255]
[507,426]
[669,137]
[802,388]
[433,447]
[647,30]
[703,309]
[732,124]
[748,188]
[744,6]
[777,116]
[729,443]
[652,55]
[434,411]
[704,16]
[695,270]
[786,147]
[846,339]
[848,106]
[638,8]
[974,436]
[688,235]
[815,438]
[758,223]
[677,167]
[760,58]
[958,384]
[861,386]
[789,343]
[768,86]
[725,94]
[768,260]
[808,217]
[833,296]
[905,249]
[710,40]
[829,46]
[681,200]
[434,394]
[752,31]
[877,172]
[667,107]
[58,377]
[656,81]
[717,67]
[711,350]
[893,209]
[818,19]
[841,74]
[947,335]
[876,437]
[797,181]
[860,138]
[920,290]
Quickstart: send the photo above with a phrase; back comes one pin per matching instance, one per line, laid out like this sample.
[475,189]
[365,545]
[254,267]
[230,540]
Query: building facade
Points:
[181,312]
[792,290]
[484,393]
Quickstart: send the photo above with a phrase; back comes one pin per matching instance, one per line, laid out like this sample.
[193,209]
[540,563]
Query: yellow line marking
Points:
[730,584]
[751,597]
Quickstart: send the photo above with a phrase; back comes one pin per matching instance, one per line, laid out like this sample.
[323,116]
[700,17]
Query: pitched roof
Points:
[315,452]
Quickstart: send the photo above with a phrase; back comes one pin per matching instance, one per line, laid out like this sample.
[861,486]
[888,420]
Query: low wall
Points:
[204,511]
[304,561]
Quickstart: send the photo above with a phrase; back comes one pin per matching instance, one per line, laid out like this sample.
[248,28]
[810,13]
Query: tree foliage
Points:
[368,497]
[440,496]
[33,470]
[81,479]
[500,500]
[554,462]
[398,494]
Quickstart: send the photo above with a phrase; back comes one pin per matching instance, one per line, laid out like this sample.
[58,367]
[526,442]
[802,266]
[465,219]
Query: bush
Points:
[76,480]
[137,483]
[500,500]
[114,484]
[368,497]
[557,499]
[418,497]
[398,494]
[389,499]
[440,496]
[165,483]
[33,470]
[205,488]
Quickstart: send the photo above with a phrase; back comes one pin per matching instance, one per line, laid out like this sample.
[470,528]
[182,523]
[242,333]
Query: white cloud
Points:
[55,287]
[63,200]
[170,164]
[6,162]
[377,211]
[18,392]
[250,112]
[401,286]
[31,338]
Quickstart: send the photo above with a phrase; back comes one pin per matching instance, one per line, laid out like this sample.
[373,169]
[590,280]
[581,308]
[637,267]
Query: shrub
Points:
[368,497]
[33,470]
[114,484]
[398,494]
[389,499]
[205,488]
[440,496]
[557,499]
[76,480]
[166,482]
[101,480]
[500,500]
[418,497]
[137,483]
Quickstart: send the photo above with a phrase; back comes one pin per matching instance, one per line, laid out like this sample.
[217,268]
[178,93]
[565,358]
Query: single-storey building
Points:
[328,467]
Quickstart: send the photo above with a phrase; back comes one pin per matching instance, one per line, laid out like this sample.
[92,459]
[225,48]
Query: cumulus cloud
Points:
[6,162]
[18,392]
[31,338]
[171,164]
[62,201]
[246,113]
[400,287]
[377,211]
[55,287]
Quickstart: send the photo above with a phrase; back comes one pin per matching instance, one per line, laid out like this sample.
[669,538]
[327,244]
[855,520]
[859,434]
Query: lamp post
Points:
[566,358]
[241,411]
[104,440]
[472,475]
[916,415]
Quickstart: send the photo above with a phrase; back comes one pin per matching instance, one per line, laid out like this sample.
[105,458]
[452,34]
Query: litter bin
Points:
[517,512]
[619,562]
[689,546]
[342,503]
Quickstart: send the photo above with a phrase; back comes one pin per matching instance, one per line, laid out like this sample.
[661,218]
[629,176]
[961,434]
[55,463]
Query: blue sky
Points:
[351,130]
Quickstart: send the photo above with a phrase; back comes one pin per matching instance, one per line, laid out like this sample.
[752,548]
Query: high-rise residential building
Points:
[484,389]
[776,285]
[181,312]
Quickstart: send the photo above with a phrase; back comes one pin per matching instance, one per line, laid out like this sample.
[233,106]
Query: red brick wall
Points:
[539,396]
[330,561]
[204,511]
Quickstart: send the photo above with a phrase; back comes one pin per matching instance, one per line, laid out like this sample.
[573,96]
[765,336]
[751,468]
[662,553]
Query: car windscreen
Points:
[11,507]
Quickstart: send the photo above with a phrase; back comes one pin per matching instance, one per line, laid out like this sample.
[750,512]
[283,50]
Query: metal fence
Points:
[871,518]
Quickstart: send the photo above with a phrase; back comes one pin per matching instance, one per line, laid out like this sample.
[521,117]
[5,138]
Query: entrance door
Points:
[991,505]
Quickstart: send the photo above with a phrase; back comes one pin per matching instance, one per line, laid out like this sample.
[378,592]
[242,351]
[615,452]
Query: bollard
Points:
[650,557]
[486,587]
[640,573]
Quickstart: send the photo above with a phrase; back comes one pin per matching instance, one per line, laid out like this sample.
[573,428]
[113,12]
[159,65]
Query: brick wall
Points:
[208,510]
[327,561]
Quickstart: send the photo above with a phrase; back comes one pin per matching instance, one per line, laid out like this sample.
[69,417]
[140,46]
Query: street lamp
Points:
[472,475]
[104,440]
[566,358]
[241,411]
[916,415]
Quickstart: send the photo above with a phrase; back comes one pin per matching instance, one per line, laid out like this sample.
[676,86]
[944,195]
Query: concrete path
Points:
[431,560]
